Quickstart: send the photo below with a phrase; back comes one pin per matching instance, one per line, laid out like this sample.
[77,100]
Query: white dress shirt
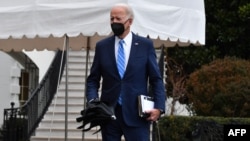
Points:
[126,46]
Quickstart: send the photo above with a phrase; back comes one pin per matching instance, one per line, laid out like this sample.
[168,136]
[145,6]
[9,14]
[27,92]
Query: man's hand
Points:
[154,114]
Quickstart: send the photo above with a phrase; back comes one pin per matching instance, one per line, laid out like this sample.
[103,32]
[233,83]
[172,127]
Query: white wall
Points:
[10,73]
[42,59]
[180,109]
[9,82]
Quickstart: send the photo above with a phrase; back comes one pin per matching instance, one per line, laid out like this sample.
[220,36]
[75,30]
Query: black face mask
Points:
[117,28]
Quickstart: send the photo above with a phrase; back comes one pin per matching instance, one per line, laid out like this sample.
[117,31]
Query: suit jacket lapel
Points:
[133,51]
[112,54]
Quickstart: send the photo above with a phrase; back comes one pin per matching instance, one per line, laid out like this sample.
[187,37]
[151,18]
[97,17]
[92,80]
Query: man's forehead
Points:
[118,15]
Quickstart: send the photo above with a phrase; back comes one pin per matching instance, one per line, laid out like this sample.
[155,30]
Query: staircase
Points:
[52,126]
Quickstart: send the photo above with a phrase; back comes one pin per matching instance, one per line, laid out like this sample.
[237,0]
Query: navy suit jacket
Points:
[142,69]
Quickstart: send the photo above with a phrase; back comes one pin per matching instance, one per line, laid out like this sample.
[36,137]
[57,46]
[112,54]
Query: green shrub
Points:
[221,88]
[196,128]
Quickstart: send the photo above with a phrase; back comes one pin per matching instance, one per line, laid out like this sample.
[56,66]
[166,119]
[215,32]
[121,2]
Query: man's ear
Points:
[130,21]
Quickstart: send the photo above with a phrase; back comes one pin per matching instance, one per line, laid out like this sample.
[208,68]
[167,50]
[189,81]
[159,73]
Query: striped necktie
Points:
[121,59]
[121,63]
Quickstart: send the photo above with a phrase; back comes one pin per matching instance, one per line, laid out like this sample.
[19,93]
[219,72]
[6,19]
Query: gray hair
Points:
[128,9]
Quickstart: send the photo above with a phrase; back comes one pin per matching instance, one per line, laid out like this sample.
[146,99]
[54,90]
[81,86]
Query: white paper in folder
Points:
[145,103]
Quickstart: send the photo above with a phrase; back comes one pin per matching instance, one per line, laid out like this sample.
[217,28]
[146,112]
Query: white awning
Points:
[43,24]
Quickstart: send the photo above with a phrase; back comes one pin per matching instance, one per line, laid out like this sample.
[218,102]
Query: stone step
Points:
[60,99]
[78,65]
[35,138]
[72,92]
[80,72]
[73,79]
[72,107]
[80,59]
[60,132]
[61,115]
[59,123]
[74,86]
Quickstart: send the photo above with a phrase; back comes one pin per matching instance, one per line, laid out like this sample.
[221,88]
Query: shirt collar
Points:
[127,39]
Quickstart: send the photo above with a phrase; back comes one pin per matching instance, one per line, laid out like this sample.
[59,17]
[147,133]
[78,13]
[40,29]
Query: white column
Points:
[15,74]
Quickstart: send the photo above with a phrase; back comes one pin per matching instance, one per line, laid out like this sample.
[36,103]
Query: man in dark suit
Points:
[121,91]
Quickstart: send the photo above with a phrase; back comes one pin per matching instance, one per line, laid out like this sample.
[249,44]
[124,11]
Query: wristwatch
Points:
[161,111]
